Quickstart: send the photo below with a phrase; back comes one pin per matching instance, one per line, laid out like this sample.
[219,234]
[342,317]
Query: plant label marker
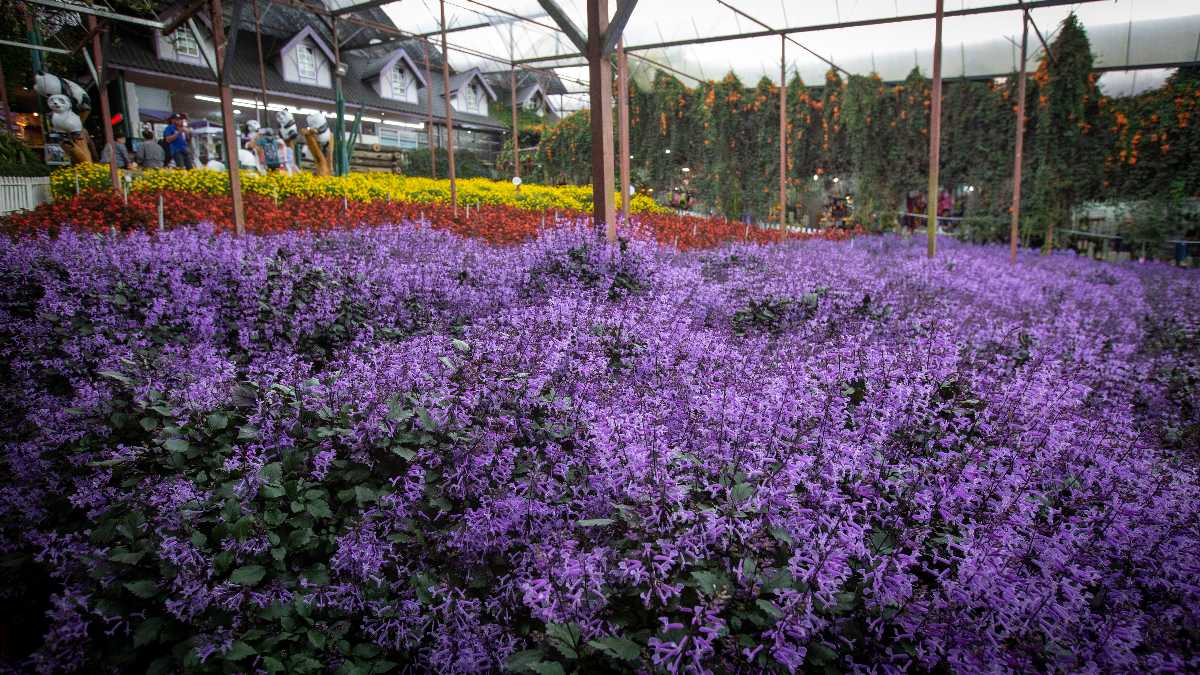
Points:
[160,213]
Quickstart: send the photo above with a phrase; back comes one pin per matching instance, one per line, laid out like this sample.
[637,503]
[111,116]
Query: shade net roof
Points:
[1124,33]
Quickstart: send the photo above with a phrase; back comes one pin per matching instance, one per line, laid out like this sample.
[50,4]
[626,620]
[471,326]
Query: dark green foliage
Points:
[16,159]
[466,164]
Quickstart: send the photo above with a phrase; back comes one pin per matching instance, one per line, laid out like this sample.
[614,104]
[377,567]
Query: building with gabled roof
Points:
[386,78]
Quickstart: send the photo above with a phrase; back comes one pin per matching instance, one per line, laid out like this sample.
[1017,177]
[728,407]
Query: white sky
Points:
[1145,31]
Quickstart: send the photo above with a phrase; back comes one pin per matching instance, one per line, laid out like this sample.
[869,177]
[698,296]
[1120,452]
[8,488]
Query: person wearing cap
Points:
[176,135]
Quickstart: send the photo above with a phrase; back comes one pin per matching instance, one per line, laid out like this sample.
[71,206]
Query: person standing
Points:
[149,154]
[123,159]
[177,134]
[270,150]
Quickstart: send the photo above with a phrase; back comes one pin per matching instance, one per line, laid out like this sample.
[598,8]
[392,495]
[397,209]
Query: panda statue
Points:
[318,140]
[287,126]
[48,84]
[62,118]
[318,123]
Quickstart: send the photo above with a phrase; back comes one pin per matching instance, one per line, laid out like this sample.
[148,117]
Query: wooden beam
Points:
[925,16]
[235,29]
[366,4]
[185,14]
[265,114]
[623,127]
[90,10]
[1014,230]
[600,98]
[516,132]
[567,26]
[228,124]
[782,132]
[935,134]
[449,113]
[105,111]
[429,109]
[616,27]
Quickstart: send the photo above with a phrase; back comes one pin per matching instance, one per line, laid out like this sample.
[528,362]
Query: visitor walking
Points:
[149,155]
[177,134]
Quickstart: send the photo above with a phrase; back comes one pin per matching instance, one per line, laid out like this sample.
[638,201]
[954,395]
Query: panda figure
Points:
[62,118]
[287,125]
[318,123]
[48,84]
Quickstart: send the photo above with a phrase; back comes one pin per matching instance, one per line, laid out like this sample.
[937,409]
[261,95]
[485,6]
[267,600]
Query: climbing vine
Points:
[874,136]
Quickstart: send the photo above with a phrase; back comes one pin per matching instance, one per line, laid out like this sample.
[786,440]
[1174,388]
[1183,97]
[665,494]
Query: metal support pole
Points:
[227,120]
[600,100]
[341,154]
[935,132]
[262,68]
[782,132]
[429,122]
[1014,231]
[449,113]
[623,125]
[512,81]
[105,111]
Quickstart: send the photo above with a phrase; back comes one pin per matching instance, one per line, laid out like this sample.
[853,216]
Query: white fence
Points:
[18,193]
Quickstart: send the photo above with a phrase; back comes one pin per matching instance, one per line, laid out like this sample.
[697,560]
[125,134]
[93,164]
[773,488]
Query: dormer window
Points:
[306,63]
[475,100]
[403,84]
[185,44]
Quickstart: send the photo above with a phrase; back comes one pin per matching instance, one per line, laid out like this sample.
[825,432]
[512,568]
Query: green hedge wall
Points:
[1079,144]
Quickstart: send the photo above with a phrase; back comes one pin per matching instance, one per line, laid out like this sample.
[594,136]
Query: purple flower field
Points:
[392,450]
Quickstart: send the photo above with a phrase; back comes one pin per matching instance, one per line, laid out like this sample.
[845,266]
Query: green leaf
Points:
[521,661]
[319,509]
[114,375]
[708,582]
[272,664]
[617,647]
[148,631]
[741,492]
[769,607]
[426,420]
[596,522]
[564,638]
[363,494]
[123,556]
[239,650]
[217,421]
[177,445]
[461,345]
[248,575]
[547,668]
[782,535]
[316,638]
[142,589]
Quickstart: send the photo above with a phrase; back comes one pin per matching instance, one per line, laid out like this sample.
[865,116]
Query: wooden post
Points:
[341,154]
[782,132]
[262,68]
[429,120]
[600,102]
[512,81]
[935,132]
[227,121]
[623,125]
[105,111]
[1014,231]
[7,110]
[449,114]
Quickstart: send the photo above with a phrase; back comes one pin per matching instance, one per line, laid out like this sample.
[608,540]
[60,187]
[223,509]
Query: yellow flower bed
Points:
[364,187]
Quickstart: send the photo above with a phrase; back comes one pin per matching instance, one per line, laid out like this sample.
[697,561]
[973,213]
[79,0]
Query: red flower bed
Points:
[105,212]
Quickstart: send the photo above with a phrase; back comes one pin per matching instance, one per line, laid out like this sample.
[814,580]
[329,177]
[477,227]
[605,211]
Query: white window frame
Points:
[185,44]
[402,76]
[303,51]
